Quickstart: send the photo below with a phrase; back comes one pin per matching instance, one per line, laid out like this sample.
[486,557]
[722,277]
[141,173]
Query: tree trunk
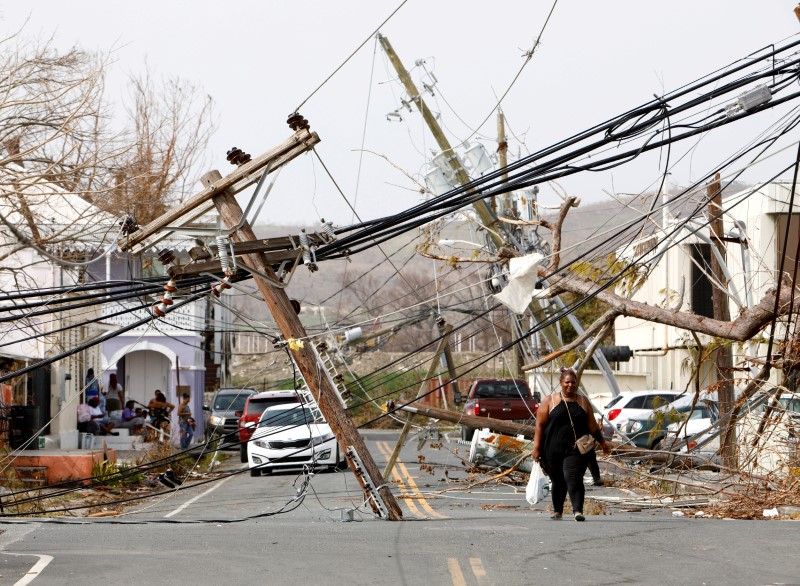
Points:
[721,305]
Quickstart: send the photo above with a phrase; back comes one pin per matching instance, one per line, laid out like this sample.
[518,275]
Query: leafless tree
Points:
[59,147]
[170,125]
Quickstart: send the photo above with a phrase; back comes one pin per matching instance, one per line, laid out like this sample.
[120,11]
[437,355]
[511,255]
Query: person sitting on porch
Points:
[85,423]
[98,418]
[130,419]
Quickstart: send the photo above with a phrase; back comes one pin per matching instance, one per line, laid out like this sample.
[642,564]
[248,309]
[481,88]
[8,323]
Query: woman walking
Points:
[562,418]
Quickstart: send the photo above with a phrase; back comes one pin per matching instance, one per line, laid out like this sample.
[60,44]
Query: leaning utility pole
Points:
[721,308]
[434,366]
[222,192]
[506,203]
[507,210]
[303,354]
[484,212]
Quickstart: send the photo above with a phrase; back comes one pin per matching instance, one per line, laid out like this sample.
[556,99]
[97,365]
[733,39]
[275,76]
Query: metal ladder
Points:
[374,498]
[336,377]
[327,368]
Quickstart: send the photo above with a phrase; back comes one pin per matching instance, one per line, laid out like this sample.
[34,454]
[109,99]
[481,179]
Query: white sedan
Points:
[699,421]
[287,436]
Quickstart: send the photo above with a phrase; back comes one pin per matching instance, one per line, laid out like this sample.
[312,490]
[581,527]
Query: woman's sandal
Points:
[555,517]
[579,517]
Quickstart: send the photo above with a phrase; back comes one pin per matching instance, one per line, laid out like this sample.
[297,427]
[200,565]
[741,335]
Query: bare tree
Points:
[170,125]
[55,141]
[58,146]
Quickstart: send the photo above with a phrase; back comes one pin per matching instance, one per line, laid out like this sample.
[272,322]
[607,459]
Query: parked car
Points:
[634,404]
[699,421]
[287,436]
[508,399]
[223,420]
[649,431]
[254,407]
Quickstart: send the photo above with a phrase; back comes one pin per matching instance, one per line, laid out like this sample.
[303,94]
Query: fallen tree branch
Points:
[555,227]
[745,326]
[486,480]
[599,324]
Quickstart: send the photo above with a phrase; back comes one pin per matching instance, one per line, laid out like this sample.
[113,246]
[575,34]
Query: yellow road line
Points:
[413,485]
[477,570]
[455,572]
[412,506]
[385,449]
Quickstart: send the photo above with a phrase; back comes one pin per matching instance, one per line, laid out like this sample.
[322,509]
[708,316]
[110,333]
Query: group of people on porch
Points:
[105,410]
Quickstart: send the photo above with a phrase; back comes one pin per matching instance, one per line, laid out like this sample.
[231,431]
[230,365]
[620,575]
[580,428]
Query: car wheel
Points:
[467,433]
[255,472]
[243,452]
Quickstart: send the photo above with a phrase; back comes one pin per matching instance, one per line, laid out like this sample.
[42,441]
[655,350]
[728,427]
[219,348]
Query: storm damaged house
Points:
[56,245]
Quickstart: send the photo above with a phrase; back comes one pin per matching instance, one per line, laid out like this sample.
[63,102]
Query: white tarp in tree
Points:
[522,277]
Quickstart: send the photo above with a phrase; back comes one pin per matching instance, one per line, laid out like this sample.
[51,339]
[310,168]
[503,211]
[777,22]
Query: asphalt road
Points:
[227,532]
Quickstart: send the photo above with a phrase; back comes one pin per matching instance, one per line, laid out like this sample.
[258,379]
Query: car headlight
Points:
[261,444]
[636,426]
[216,420]
[322,439]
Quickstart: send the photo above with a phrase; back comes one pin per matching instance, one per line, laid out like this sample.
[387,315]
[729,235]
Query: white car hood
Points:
[296,432]
[693,426]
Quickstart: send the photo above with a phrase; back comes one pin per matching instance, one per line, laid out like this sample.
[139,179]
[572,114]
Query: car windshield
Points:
[613,402]
[700,413]
[230,402]
[258,406]
[285,417]
[500,390]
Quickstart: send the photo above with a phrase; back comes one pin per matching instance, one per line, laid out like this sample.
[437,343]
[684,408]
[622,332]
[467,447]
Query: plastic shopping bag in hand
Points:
[535,490]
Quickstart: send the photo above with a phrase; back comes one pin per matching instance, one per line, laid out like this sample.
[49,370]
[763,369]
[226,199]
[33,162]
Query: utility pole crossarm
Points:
[241,178]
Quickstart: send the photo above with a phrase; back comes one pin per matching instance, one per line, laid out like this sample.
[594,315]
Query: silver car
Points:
[223,421]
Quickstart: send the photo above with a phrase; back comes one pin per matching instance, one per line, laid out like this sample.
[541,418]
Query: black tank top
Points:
[559,439]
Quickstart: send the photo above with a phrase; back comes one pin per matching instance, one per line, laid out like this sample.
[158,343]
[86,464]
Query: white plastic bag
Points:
[535,490]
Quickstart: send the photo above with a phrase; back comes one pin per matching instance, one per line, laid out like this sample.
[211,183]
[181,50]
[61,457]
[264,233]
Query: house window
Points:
[701,284]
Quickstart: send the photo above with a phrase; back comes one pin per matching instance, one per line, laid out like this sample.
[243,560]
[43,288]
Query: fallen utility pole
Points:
[303,354]
[496,425]
[221,192]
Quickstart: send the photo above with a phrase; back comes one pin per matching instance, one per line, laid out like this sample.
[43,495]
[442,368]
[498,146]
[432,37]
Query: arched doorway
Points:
[146,371]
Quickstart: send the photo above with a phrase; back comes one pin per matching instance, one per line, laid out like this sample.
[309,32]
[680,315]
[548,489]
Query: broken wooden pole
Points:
[496,425]
[304,356]
[428,375]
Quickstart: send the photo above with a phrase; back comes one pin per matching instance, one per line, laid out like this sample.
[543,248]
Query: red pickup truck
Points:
[508,399]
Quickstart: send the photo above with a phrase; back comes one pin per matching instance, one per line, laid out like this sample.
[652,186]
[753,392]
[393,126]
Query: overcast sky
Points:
[260,60]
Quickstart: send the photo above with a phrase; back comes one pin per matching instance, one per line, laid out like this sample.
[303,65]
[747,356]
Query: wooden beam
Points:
[434,366]
[496,425]
[241,178]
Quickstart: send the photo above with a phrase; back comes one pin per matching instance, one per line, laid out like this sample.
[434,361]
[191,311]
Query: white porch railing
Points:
[188,317]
